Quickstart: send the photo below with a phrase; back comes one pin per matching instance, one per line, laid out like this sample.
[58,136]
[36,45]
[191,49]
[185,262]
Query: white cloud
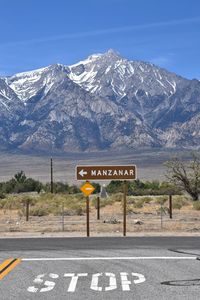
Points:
[102,32]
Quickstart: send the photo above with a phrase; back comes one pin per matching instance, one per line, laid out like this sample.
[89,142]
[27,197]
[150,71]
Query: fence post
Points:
[161,219]
[98,208]
[170,206]
[63,220]
[27,210]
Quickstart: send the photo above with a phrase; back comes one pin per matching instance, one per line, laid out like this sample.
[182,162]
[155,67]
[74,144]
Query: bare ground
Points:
[143,221]
[149,163]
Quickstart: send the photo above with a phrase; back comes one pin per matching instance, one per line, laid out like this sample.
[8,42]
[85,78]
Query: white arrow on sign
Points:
[82,173]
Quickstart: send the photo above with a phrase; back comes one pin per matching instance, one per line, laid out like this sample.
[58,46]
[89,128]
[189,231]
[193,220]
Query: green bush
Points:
[115,187]
[2,203]
[2,196]
[196,205]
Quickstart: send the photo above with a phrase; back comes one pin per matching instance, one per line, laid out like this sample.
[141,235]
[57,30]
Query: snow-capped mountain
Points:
[105,101]
[28,84]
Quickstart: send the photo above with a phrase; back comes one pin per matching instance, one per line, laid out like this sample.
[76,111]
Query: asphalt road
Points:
[100,268]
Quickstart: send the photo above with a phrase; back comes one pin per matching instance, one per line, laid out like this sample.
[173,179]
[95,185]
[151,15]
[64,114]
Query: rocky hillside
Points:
[103,102]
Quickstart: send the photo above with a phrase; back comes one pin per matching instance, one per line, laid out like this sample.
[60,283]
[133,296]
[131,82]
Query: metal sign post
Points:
[87,189]
[97,173]
[88,216]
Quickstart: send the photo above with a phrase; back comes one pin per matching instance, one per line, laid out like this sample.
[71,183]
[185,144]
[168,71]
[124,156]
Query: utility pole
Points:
[51,175]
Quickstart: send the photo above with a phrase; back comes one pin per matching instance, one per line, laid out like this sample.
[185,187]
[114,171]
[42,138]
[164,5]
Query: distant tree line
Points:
[140,188]
[21,184]
[182,177]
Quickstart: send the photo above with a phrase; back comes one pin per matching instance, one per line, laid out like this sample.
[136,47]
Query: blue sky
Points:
[36,33]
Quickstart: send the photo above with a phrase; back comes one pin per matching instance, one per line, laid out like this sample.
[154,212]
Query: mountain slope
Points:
[105,101]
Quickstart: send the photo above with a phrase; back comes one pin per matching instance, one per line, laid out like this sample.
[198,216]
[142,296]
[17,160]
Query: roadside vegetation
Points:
[183,183]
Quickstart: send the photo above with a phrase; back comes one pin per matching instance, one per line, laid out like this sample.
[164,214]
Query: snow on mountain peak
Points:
[117,102]
[27,84]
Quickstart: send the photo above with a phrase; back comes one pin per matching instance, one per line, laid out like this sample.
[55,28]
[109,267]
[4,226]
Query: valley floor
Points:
[149,163]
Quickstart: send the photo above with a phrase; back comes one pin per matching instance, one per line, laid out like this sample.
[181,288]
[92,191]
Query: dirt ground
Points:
[147,220]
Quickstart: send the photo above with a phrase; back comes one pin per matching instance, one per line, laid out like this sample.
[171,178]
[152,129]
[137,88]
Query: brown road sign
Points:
[127,172]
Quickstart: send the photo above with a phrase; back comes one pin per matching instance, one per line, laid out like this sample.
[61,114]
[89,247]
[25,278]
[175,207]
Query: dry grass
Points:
[46,214]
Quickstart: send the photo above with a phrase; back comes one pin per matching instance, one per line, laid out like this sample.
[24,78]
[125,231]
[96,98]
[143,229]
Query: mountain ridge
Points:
[103,102]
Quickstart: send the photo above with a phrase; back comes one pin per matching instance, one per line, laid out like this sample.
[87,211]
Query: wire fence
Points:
[109,222]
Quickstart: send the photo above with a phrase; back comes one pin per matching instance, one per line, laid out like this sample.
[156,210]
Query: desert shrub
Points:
[117,197]
[140,188]
[94,202]
[130,200]
[146,199]
[74,189]
[12,202]
[163,209]
[103,201]
[179,201]
[196,205]
[161,200]
[106,201]
[115,187]
[2,196]
[97,187]
[2,203]
[130,209]
[26,198]
[39,211]
[176,204]
[182,199]
[79,211]
[138,203]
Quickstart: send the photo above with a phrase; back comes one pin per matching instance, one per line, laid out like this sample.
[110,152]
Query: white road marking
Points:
[74,280]
[112,283]
[125,282]
[95,280]
[140,279]
[112,258]
[94,284]
[49,285]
